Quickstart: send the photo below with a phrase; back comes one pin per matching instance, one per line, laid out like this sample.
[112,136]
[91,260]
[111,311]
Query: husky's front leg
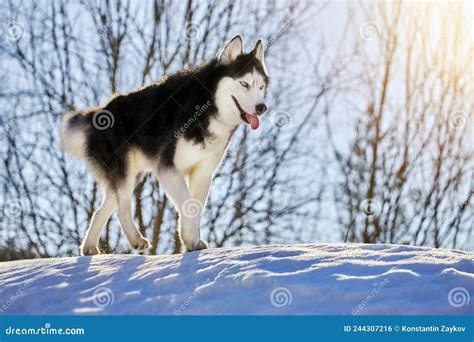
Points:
[199,184]
[178,192]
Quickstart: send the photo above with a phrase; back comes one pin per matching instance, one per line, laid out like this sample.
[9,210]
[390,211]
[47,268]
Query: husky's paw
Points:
[141,244]
[201,245]
[89,250]
[196,247]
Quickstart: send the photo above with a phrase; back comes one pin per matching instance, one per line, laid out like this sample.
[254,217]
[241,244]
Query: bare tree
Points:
[407,177]
[66,60]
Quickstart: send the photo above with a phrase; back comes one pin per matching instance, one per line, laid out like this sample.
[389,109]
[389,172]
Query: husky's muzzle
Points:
[248,118]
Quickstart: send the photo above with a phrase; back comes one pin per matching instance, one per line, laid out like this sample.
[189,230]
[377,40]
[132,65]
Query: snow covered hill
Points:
[317,279]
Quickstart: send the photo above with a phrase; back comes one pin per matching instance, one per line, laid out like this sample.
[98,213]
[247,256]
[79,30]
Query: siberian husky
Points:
[178,128]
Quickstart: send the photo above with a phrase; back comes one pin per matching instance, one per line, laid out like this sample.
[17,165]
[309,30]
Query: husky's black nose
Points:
[260,108]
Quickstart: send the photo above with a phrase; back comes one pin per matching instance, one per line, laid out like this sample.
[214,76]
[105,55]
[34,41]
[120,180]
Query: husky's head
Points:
[241,90]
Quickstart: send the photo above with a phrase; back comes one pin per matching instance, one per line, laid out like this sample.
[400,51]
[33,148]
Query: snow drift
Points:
[317,279]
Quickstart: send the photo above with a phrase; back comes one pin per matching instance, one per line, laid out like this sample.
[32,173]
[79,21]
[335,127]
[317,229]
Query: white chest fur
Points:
[188,154]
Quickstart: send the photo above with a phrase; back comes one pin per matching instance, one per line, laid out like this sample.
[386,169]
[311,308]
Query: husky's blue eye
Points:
[244,84]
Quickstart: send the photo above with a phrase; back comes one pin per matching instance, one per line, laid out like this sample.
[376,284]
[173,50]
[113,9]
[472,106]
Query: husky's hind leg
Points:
[98,220]
[134,237]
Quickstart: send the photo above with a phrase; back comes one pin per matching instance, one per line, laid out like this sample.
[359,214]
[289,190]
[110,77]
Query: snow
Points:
[315,279]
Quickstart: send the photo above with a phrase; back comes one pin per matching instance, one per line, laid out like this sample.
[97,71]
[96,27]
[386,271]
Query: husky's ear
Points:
[259,52]
[231,50]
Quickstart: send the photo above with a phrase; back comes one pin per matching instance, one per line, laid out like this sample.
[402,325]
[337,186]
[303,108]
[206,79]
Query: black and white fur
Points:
[178,128]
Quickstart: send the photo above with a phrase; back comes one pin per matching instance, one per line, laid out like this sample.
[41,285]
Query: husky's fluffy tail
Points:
[73,134]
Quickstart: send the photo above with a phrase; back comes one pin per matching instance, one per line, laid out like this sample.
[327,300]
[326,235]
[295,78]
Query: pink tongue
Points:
[253,120]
